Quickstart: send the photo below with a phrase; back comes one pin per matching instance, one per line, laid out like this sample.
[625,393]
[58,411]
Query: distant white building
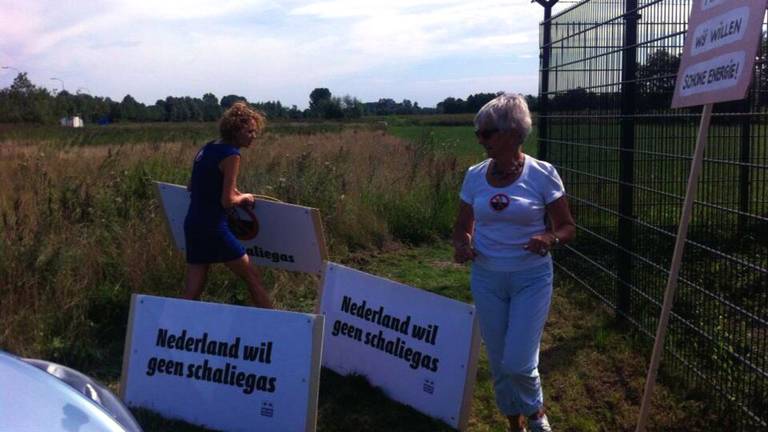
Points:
[74,121]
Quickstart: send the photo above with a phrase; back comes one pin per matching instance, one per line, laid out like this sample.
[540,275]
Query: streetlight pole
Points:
[59,80]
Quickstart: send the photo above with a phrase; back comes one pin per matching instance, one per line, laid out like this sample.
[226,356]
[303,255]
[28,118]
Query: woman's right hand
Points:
[462,237]
[463,253]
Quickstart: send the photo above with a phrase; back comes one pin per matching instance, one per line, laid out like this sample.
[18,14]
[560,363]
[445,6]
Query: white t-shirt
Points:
[506,218]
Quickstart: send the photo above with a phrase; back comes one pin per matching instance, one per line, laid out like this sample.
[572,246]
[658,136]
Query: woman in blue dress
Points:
[213,190]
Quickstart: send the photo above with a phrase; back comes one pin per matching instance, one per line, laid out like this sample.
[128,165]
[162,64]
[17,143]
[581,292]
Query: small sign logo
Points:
[429,386]
[499,202]
[267,410]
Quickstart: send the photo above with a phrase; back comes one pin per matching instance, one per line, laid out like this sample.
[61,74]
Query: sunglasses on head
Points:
[486,133]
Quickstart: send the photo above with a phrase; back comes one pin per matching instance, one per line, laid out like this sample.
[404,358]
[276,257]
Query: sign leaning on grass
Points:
[419,347]
[223,367]
[719,51]
[274,234]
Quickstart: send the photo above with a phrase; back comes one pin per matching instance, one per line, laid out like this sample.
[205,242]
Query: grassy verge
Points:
[593,376]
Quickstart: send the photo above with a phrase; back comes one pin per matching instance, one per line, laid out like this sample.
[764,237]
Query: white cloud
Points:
[181,9]
[49,39]
[267,49]
[132,9]
[427,29]
[352,8]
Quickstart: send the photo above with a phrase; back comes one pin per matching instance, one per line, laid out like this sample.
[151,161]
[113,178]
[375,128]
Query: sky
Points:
[421,50]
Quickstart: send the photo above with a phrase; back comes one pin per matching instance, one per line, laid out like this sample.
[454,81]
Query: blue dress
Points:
[208,238]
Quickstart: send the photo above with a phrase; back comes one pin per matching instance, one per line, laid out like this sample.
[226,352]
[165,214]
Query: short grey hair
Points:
[507,112]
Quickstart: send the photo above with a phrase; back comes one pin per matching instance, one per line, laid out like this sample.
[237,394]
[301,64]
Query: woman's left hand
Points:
[540,243]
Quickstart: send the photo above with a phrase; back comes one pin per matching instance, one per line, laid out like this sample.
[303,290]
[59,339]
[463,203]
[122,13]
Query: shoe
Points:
[541,424]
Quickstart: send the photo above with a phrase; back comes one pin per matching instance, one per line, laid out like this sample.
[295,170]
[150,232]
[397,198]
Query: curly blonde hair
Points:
[238,117]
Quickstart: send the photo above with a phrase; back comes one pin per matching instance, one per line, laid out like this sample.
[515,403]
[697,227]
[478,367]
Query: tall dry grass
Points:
[81,229]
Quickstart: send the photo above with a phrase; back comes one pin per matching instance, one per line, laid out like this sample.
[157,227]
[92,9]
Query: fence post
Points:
[627,158]
[546,53]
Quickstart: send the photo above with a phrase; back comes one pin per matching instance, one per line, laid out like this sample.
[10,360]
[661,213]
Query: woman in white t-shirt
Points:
[505,201]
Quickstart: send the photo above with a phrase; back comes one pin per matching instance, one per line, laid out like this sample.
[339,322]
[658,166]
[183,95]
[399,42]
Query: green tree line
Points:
[25,102]
[655,87]
[474,102]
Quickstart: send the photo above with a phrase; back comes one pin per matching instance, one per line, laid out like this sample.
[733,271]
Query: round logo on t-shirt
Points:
[499,202]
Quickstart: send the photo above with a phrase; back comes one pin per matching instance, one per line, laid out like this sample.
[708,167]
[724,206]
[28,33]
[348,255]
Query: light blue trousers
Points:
[512,308]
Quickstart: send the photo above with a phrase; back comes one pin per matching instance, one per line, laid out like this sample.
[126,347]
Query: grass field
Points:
[459,140]
[82,231]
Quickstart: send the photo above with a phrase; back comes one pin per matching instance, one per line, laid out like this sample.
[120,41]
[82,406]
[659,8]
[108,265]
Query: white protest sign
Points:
[719,51]
[419,347]
[283,235]
[225,367]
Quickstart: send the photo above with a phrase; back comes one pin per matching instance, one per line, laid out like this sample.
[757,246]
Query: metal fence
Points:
[607,76]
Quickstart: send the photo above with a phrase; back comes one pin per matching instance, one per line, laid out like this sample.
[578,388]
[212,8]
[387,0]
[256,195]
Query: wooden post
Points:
[677,256]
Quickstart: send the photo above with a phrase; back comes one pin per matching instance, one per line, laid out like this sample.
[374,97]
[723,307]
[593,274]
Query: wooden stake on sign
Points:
[127,349]
[320,288]
[322,245]
[318,326]
[471,377]
[677,256]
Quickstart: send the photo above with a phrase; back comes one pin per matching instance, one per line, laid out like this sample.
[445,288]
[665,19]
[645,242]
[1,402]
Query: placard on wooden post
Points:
[717,64]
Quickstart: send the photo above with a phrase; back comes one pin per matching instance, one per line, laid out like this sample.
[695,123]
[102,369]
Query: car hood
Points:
[33,400]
